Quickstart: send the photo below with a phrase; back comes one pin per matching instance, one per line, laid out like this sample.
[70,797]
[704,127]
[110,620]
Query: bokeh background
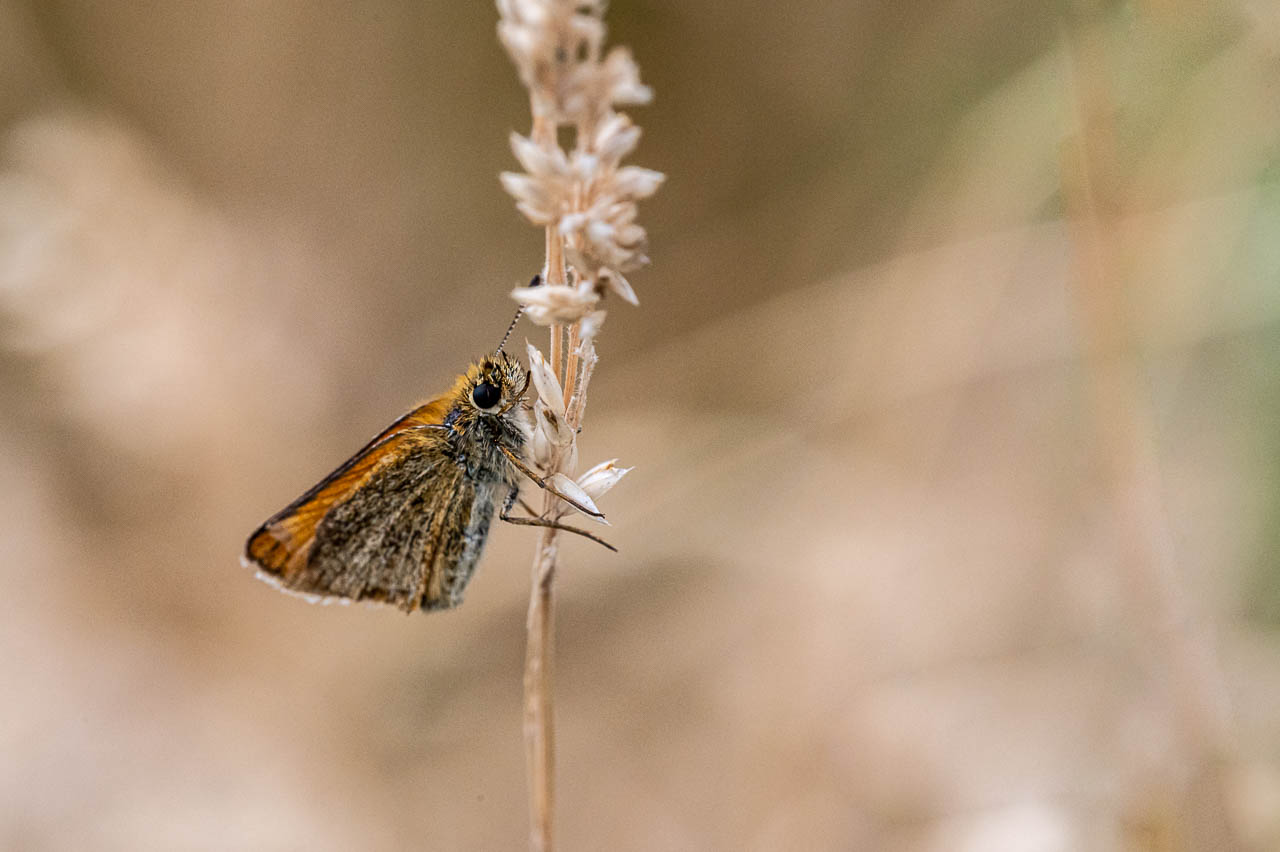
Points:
[952,398]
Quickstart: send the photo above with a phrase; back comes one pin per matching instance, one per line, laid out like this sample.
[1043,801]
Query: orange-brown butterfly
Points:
[404,520]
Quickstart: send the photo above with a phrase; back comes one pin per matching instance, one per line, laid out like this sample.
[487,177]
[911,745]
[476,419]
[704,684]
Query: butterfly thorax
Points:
[474,443]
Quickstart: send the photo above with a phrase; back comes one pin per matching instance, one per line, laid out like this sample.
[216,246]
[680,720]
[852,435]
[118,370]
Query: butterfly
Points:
[404,520]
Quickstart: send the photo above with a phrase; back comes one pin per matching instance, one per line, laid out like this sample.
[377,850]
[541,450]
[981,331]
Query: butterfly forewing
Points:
[404,520]
[391,524]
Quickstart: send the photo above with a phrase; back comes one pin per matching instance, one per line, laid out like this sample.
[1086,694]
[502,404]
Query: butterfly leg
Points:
[542,483]
[505,515]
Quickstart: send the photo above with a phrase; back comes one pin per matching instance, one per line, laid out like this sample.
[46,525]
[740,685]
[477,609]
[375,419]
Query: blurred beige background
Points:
[952,397]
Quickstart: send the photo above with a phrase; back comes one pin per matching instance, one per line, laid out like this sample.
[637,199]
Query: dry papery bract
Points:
[552,440]
[590,199]
[556,49]
[587,196]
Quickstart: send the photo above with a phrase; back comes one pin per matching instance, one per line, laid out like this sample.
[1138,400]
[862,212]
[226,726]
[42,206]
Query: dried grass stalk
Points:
[585,199]
[1177,641]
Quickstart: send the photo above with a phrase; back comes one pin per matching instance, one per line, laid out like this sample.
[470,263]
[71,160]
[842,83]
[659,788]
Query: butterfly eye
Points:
[486,396]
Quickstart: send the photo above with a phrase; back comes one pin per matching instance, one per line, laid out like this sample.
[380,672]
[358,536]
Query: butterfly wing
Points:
[326,541]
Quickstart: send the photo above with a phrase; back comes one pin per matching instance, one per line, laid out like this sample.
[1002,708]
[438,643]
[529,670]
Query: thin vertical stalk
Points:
[570,378]
[539,715]
[1179,645]
[539,695]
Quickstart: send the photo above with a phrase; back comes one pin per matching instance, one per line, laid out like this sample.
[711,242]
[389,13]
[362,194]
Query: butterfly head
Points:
[492,387]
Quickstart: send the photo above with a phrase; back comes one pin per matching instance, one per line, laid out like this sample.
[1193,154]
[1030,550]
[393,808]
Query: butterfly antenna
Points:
[515,319]
[537,279]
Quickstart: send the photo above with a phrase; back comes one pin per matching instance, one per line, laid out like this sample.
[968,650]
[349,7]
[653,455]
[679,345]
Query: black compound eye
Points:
[486,395]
